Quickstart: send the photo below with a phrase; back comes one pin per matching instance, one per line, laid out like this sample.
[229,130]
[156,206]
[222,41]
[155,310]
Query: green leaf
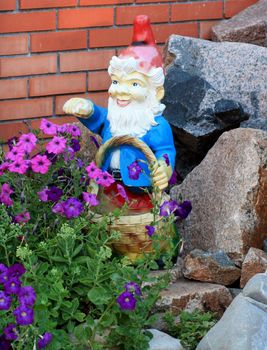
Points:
[99,296]
[59,259]
[79,316]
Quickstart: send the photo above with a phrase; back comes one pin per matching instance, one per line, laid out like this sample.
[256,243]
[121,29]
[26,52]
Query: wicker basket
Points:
[134,240]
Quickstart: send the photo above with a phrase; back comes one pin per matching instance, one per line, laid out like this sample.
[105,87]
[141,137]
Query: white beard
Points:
[135,120]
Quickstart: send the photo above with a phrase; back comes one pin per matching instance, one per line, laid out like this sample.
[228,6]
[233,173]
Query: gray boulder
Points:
[244,323]
[235,71]
[162,341]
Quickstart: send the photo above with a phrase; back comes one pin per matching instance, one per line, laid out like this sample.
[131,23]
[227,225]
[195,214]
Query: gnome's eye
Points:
[114,82]
[135,84]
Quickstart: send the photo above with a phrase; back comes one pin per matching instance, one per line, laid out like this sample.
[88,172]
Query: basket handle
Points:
[124,140]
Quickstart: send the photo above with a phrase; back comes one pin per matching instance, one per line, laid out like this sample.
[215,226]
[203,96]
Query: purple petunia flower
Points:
[5,301]
[72,208]
[3,273]
[27,296]
[4,167]
[94,140]
[24,315]
[75,145]
[133,288]
[167,208]
[58,208]
[5,344]
[150,230]
[46,339]
[90,198]
[79,162]
[10,332]
[122,192]
[74,130]
[16,270]
[54,193]
[40,164]
[43,195]
[166,158]
[5,193]
[126,301]
[22,217]
[173,178]
[183,209]
[12,286]
[12,142]
[134,170]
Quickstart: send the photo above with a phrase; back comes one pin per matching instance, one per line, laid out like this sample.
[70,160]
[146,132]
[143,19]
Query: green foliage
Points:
[191,328]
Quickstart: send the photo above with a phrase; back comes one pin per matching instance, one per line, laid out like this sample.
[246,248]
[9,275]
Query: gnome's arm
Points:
[89,114]
[160,140]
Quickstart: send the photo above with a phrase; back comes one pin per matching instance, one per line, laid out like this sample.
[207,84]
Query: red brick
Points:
[53,85]
[98,81]
[13,88]
[77,61]
[205,29]
[163,31]
[196,10]
[10,67]
[233,7]
[110,37]
[27,22]
[13,45]
[6,5]
[58,41]
[147,1]
[99,98]
[123,36]
[39,4]
[21,109]
[8,130]
[156,13]
[86,17]
[105,2]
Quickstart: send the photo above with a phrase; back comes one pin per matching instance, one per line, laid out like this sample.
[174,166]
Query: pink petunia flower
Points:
[58,208]
[22,217]
[74,130]
[90,198]
[5,193]
[27,142]
[122,192]
[15,153]
[93,171]
[40,164]
[62,128]
[43,196]
[57,145]
[19,166]
[48,127]
[3,167]
[105,179]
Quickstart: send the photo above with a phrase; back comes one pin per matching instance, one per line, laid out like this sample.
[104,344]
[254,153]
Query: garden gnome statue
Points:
[134,109]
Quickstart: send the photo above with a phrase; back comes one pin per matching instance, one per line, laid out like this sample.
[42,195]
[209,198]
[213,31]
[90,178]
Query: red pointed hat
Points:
[143,47]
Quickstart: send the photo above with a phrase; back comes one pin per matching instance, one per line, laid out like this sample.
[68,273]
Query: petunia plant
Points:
[61,285]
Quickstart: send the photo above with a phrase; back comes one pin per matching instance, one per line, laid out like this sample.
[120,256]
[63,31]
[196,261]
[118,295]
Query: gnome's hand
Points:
[160,175]
[80,107]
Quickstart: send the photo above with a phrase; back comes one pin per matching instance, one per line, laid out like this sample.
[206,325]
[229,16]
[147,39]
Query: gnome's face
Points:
[125,89]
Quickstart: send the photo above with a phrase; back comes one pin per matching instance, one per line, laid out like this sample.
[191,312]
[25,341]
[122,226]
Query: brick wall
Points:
[52,50]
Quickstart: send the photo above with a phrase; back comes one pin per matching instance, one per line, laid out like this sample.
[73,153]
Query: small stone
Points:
[190,295]
[255,262]
[162,341]
[214,267]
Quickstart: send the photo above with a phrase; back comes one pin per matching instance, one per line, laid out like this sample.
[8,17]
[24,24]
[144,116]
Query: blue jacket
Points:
[159,138]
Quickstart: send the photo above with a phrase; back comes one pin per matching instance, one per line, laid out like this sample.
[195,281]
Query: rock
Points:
[235,291]
[228,192]
[197,112]
[190,295]
[244,322]
[162,341]
[210,267]
[236,71]
[248,26]
[88,148]
[255,262]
